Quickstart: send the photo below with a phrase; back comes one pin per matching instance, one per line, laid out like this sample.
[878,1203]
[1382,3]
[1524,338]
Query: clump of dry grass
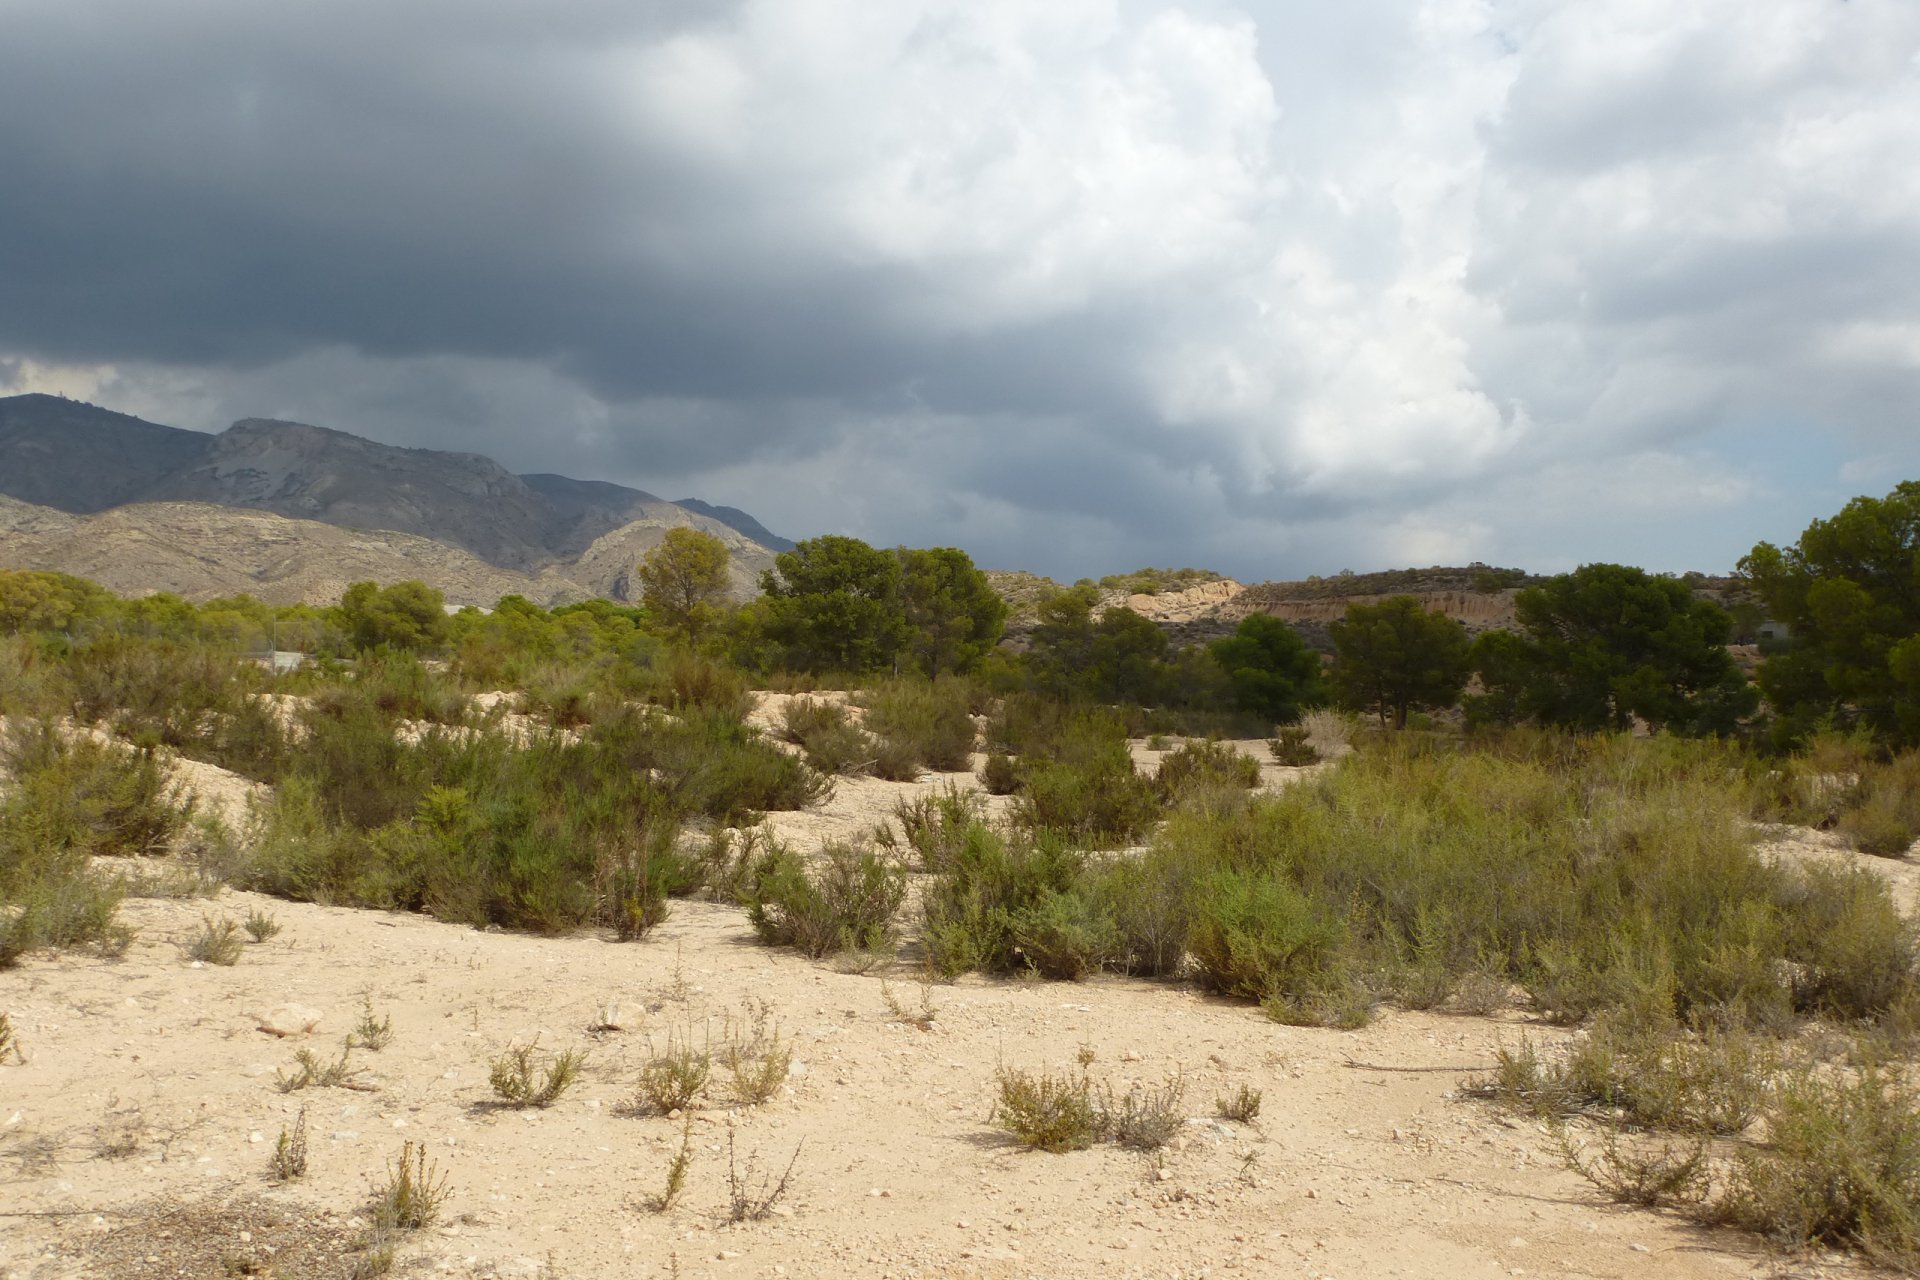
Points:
[674,1077]
[261,925]
[676,1170]
[218,942]
[372,1031]
[311,1073]
[519,1079]
[1241,1106]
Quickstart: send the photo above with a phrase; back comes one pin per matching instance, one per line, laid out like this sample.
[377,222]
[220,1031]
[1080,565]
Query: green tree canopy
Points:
[1849,592]
[683,581]
[1395,657]
[834,604]
[34,601]
[953,615]
[1606,643]
[1273,673]
[406,615]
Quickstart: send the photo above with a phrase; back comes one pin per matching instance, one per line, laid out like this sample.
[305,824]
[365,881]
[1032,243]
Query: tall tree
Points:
[683,581]
[1273,673]
[405,615]
[954,616]
[833,603]
[1395,657]
[1608,643]
[1849,592]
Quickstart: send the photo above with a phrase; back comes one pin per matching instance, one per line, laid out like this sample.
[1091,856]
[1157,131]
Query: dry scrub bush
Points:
[751,1198]
[674,1077]
[311,1073]
[261,925]
[1203,764]
[1643,1172]
[677,1168]
[848,904]
[920,723]
[372,1031]
[519,1079]
[832,742]
[759,1062]
[218,942]
[1291,746]
[289,1160]
[414,1194]
[1059,1113]
[1242,1106]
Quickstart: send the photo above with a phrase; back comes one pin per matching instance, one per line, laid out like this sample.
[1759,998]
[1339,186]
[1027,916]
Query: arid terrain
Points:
[137,1126]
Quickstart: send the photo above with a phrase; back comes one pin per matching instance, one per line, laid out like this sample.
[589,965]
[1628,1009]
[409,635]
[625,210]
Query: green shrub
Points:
[1064,935]
[1290,745]
[992,881]
[1089,792]
[1196,765]
[1841,1166]
[1257,936]
[921,722]
[683,681]
[1046,1112]
[999,776]
[848,904]
[832,742]
[935,825]
[519,1080]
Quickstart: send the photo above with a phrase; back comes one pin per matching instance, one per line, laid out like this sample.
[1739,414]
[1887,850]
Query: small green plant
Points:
[922,1017]
[750,1199]
[677,1170]
[261,925]
[1144,1119]
[1157,742]
[218,942]
[1291,745]
[999,775]
[1242,1106]
[9,1042]
[1046,1112]
[311,1073]
[674,1077]
[414,1194]
[758,1067]
[290,1152]
[1205,764]
[519,1080]
[847,905]
[1643,1173]
[372,1031]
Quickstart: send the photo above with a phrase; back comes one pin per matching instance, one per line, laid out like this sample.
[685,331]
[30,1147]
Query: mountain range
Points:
[288,511]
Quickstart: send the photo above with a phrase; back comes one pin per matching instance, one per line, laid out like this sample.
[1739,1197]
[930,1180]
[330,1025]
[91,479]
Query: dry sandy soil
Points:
[135,1135]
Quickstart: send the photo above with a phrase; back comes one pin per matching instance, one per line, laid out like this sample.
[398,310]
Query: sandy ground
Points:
[136,1133]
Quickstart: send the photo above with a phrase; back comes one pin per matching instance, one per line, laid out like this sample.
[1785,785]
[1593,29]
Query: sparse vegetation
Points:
[522,1077]
[1291,746]
[1242,1106]
[261,925]
[218,942]
[677,1168]
[311,1073]
[752,1196]
[1047,1112]
[374,1031]
[414,1193]
[674,1076]
[290,1151]
[848,904]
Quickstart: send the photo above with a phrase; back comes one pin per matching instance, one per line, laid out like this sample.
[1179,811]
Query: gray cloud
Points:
[1274,287]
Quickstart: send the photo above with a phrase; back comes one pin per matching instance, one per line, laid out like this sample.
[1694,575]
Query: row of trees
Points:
[1595,649]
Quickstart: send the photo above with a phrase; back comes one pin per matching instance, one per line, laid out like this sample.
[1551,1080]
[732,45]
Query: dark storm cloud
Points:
[1264,285]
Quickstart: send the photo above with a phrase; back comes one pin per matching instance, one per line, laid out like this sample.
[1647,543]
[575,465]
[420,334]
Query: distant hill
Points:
[738,520]
[80,459]
[75,457]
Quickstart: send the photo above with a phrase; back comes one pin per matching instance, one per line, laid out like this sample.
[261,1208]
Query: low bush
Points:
[934,826]
[921,723]
[1046,1112]
[832,742]
[1202,764]
[521,1079]
[414,1193]
[993,882]
[674,1076]
[848,903]
[999,776]
[1292,746]
[218,942]
[1088,789]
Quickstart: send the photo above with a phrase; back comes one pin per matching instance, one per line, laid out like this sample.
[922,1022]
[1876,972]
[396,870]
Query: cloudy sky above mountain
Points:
[1277,288]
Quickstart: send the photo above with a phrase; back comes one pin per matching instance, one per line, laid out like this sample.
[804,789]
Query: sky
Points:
[1080,286]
